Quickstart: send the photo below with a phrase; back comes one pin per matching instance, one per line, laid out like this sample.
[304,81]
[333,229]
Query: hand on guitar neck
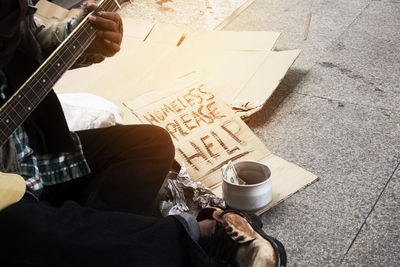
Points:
[109,31]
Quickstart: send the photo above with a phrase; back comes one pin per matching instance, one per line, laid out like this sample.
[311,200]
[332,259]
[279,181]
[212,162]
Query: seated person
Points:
[89,193]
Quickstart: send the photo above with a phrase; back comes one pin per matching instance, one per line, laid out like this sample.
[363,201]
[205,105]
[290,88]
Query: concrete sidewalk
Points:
[336,114]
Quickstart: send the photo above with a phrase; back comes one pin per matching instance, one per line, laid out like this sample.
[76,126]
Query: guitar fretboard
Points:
[20,105]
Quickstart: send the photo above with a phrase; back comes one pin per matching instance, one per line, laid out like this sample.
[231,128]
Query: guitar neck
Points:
[21,104]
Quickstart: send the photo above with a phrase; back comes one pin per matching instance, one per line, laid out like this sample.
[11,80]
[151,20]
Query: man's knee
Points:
[162,140]
[167,141]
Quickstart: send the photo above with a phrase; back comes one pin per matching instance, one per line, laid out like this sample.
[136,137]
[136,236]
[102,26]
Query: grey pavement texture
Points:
[336,114]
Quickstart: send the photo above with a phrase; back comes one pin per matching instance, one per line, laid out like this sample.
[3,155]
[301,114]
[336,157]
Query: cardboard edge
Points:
[234,14]
[136,29]
[279,36]
[256,87]
[231,40]
[303,177]
[307,178]
[268,207]
[166,34]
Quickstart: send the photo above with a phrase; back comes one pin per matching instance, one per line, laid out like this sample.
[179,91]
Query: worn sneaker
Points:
[240,241]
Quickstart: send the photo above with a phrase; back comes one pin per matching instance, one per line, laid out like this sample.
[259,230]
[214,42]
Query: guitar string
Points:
[30,87]
[100,5]
[79,33]
[16,99]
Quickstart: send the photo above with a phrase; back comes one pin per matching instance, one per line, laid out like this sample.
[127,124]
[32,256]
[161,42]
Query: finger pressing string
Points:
[90,6]
[113,17]
[104,21]
[112,36]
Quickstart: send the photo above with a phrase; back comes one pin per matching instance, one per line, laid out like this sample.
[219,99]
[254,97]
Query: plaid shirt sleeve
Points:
[49,169]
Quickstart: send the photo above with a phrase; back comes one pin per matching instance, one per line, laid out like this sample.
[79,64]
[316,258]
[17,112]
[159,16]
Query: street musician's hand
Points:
[109,31]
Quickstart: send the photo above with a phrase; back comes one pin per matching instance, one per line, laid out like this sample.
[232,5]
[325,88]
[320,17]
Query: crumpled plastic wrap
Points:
[184,195]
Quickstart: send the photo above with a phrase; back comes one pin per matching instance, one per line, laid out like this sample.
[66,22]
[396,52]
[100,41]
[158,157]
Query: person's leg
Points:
[128,163]
[37,234]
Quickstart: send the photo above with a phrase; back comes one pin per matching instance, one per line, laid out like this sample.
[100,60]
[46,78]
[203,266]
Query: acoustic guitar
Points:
[21,104]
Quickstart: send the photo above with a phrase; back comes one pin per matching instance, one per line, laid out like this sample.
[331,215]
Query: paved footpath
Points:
[336,114]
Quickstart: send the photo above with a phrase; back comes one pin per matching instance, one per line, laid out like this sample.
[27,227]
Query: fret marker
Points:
[19,96]
[7,120]
[58,64]
[74,47]
[44,80]
[91,27]
[29,108]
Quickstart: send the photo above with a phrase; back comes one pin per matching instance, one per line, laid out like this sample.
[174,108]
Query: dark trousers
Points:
[128,164]
[93,220]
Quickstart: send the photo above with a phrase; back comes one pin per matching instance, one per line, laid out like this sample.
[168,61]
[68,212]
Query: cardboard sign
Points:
[205,131]
[208,134]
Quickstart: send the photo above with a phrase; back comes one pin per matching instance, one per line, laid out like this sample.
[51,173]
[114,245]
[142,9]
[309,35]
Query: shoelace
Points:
[220,246]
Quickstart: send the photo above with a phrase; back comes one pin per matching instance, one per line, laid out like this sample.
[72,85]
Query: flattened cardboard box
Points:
[240,64]
[207,134]
[234,65]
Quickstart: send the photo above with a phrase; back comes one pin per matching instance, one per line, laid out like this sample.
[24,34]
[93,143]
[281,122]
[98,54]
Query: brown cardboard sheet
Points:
[207,134]
[150,57]
[230,40]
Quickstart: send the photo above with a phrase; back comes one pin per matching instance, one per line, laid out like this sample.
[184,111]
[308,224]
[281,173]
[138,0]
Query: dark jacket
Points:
[47,120]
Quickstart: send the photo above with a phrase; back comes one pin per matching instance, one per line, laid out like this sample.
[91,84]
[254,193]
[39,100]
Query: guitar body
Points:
[12,188]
